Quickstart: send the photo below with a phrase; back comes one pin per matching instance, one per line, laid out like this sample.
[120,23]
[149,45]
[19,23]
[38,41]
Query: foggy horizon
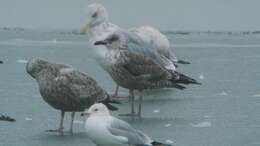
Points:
[168,15]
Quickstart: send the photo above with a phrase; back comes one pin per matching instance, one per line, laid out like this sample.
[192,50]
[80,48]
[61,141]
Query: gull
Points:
[134,66]
[6,118]
[106,130]
[66,89]
[99,27]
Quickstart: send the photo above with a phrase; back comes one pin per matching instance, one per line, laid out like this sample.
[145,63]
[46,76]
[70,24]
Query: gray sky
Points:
[163,14]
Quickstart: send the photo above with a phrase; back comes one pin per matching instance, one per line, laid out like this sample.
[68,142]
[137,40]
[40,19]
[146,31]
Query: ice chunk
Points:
[21,61]
[202,124]
[28,119]
[201,76]
[156,111]
[168,141]
[167,125]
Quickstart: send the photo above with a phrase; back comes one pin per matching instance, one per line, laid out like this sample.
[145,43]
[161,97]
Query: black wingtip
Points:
[107,102]
[180,87]
[183,62]
[111,107]
[155,143]
[183,79]
[6,118]
[114,101]
[100,43]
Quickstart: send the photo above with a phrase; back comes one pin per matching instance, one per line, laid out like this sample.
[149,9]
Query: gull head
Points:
[96,14]
[35,66]
[113,41]
[98,109]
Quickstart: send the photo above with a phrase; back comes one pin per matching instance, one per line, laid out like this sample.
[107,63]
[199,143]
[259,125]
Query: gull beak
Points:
[100,43]
[85,29]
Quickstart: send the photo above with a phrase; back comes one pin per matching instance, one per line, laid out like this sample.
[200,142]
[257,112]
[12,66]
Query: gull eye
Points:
[96,110]
[94,15]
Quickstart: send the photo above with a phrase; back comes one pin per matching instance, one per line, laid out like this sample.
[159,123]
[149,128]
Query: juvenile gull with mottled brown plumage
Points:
[65,88]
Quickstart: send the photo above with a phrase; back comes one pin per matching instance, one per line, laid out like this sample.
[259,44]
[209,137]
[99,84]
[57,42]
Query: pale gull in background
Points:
[99,27]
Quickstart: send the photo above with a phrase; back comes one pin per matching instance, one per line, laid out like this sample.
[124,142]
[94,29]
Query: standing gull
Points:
[99,28]
[106,130]
[66,89]
[134,66]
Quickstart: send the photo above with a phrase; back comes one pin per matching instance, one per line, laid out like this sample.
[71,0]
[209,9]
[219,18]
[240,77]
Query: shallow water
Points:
[223,111]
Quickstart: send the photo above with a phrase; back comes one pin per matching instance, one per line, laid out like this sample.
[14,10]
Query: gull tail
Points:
[183,79]
[155,143]
[166,84]
[183,61]
[177,86]
[6,118]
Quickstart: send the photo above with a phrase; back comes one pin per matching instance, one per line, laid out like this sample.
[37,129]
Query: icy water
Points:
[224,111]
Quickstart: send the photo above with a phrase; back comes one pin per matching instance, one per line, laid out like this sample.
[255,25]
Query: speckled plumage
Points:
[137,72]
[137,65]
[65,88]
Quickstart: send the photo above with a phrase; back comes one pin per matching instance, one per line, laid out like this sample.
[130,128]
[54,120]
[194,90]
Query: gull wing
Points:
[78,86]
[141,66]
[136,44]
[120,128]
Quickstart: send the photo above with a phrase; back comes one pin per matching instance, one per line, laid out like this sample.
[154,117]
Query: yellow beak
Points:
[85,29]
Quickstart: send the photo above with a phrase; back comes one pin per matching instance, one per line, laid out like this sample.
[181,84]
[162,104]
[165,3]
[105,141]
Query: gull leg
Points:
[132,97]
[131,92]
[60,130]
[140,105]
[115,95]
[116,91]
[71,123]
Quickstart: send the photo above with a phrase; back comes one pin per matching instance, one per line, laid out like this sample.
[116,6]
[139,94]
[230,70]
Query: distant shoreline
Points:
[174,32]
